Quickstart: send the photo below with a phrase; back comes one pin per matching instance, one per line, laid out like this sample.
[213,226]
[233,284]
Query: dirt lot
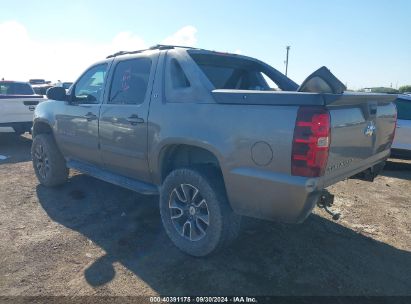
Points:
[89,237]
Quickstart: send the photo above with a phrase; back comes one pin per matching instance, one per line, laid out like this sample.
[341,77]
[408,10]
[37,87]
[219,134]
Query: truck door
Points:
[77,127]
[123,117]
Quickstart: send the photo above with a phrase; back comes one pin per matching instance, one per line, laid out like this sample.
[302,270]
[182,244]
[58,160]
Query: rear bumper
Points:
[281,197]
[272,196]
[351,170]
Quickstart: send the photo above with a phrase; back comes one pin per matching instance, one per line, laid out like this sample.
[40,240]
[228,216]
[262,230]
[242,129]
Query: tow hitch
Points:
[325,202]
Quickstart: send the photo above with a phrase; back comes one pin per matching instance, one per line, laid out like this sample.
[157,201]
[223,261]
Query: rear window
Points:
[235,73]
[15,88]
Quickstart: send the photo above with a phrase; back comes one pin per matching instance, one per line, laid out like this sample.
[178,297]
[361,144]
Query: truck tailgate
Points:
[18,108]
[362,131]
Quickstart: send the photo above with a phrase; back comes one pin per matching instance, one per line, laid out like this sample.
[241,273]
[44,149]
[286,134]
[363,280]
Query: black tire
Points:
[48,163]
[223,224]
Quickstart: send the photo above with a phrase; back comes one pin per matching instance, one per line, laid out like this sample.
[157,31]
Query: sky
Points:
[364,43]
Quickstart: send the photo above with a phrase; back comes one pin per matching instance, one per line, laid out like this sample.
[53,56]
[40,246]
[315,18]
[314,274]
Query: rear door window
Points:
[130,81]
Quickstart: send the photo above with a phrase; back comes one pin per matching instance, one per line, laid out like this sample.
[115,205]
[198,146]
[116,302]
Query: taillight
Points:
[311,142]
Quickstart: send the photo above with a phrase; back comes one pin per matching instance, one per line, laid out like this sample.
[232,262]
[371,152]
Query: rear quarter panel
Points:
[252,144]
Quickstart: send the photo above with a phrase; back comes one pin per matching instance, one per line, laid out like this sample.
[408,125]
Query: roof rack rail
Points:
[169,46]
[154,47]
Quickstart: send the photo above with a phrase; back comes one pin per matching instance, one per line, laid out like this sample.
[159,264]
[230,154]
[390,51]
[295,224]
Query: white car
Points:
[402,140]
[17,104]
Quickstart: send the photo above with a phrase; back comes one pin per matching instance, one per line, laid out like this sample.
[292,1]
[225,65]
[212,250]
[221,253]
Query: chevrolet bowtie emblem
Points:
[369,130]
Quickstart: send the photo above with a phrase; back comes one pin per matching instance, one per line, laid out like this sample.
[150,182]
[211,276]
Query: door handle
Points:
[90,116]
[134,119]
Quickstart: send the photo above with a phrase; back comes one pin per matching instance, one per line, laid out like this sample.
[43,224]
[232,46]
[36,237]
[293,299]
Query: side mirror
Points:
[56,93]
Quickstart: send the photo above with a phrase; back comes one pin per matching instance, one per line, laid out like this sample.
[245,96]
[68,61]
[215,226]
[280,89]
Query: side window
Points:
[130,81]
[90,86]
[404,109]
[271,84]
[178,77]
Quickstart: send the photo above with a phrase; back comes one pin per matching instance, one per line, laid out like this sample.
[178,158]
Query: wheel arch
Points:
[41,127]
[178,155]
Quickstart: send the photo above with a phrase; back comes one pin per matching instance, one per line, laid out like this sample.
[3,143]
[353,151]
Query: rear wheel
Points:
[48,163]
[195,212]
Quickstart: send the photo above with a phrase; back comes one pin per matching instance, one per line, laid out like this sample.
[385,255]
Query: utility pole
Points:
[286,60]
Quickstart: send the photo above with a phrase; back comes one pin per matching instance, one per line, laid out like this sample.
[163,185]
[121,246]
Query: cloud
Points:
[186,36]
[126,41]
[24,57]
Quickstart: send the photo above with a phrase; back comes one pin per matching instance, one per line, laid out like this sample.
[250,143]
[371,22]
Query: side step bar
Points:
[119,180]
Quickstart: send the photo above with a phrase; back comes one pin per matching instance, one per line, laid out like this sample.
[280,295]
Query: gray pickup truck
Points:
[218,136]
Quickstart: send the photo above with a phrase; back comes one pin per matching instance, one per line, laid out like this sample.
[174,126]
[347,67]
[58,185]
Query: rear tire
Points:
[195,211]
[48,163]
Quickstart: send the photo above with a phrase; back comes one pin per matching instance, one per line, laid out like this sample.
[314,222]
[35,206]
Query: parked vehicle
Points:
[17,103]
[40,86]
[401,146]
[41,89]
[66,85]
[206,131]
[37,81]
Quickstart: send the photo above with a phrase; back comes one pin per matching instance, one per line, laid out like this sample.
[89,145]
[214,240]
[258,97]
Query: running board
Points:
[119,180]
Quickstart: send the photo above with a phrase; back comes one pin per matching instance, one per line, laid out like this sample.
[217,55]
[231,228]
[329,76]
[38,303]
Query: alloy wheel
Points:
[189,212]
[41,161]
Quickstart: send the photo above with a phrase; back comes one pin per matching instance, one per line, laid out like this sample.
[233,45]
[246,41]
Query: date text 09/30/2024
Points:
[203,300]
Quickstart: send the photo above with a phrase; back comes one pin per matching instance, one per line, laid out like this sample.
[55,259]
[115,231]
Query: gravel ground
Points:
[89,237]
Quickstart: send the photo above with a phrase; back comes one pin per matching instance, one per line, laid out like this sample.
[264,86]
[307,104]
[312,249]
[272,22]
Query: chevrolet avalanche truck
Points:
[218,136]
[17,104]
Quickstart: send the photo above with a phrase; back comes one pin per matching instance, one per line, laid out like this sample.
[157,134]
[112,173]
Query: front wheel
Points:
[48,163]
[195,211]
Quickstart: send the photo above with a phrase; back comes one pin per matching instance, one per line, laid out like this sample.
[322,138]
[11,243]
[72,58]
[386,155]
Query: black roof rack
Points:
[155,47]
